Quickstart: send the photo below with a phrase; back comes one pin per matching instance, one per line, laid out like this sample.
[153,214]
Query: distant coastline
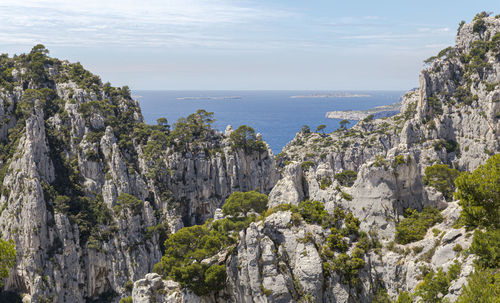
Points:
[332,95]
[376,112]
[210,98]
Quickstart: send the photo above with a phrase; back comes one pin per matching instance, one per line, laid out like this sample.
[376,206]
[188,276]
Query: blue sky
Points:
[233,44]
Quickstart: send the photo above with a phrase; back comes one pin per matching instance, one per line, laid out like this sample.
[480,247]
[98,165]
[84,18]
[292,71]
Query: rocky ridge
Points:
[89,191]
[374,113]
[452,118]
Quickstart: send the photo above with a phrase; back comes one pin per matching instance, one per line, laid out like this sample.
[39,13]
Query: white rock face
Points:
[288,190]
[443,121]
[76,154]
[65,163]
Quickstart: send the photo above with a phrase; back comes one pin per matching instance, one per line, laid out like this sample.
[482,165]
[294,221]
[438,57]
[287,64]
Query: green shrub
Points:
[346,196]
[450,145]
[129,201]
[306,165]
[128,286]
[351,225]
[346,178]
[240,203]
[482,286]
[314,212]
[325,182]
[417,249]
[435,105]
[321,128]
[184,252]
[479,193]
[336,242]
[410,111]
[436,284]
[368,118]
[479,26]
[126,300]
[380,161]
[399,160]
[486,245]
[215,277]
[244,138]
[194,127]
[457,248]
[381,296]
[442,178]
[348,266]
[7,258]
[415,225]
[404,297]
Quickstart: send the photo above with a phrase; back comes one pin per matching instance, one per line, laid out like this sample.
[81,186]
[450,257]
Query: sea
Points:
[277,115]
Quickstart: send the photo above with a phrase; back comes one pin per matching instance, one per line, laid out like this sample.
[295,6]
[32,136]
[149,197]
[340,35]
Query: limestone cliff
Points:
[452,118]
[89,191]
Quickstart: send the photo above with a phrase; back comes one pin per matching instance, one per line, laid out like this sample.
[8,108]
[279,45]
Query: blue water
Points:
[272,113]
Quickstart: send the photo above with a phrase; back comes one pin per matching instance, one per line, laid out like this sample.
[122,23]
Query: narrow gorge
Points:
[102,207]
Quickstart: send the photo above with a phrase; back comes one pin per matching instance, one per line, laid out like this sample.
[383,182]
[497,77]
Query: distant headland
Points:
[332,95]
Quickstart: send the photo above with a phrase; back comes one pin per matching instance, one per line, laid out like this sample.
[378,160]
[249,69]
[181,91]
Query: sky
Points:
[241,45]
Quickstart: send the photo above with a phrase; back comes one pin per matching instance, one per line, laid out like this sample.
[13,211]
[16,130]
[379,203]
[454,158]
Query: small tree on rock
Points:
[321,128]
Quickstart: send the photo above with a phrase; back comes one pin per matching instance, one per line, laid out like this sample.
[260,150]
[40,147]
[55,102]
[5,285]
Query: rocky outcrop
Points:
[72,150]
[452,118]
[378,112]
[89,191]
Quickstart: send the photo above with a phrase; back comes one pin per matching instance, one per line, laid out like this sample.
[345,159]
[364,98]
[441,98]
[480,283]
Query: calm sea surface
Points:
[272,113]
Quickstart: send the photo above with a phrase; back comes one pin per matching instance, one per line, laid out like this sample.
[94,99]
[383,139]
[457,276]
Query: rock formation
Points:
[452,118]
[90,192]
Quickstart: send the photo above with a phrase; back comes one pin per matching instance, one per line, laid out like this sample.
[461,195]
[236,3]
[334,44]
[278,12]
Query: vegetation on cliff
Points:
[7,259]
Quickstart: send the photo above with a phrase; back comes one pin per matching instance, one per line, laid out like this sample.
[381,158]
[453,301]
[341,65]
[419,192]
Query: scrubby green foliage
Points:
[240,203]
[306,165]
[346,178]
[404,297]
[450,146]
[410,111]
[334,251]
[368,118]
[344,123]
[447,52]
[479,194]
[313,212]
[84,78]
[187,248]
[479,26]
[415,224]
[442,178]
[126,300]
[380,161]
[436,284]
[184,252]
[195,127]
[321,128]
[305,129]
[244,138]
[381,296]
[482,286]
[37,58]
[128,201]
[7,258]
[435,104]
[325,182]
[486,245]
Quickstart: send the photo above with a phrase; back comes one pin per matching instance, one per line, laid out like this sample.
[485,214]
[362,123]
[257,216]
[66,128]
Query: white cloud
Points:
[152,22]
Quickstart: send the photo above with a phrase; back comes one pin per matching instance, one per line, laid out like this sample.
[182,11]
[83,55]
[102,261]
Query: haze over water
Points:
[272,113]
